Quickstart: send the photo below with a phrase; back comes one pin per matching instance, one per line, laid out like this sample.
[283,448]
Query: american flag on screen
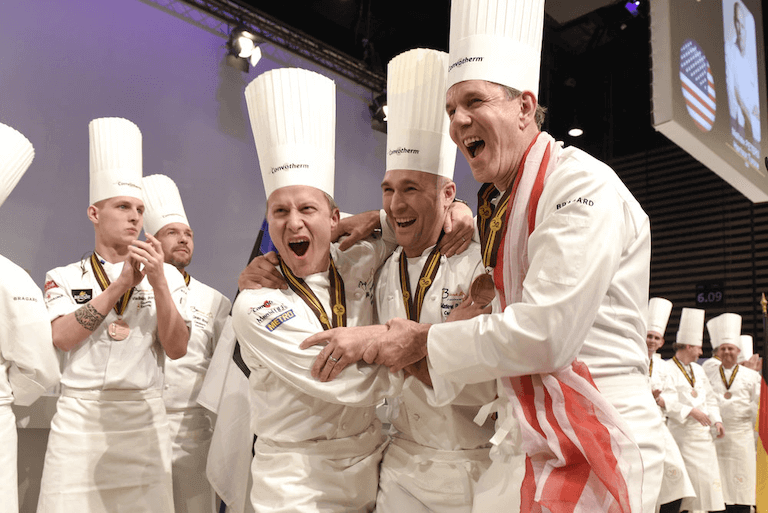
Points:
[698,85]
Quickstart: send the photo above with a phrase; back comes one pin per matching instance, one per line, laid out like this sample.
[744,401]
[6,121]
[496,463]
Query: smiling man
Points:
[569,248]
[737,389]
[319,444]
[191,425]
[114,317]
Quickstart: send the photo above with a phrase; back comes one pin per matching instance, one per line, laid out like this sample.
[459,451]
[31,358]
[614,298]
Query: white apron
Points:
[9,481]
[191,430]
[108,451]
[676,484]
[698,451]
[413,476]
[321,476]
[737,458]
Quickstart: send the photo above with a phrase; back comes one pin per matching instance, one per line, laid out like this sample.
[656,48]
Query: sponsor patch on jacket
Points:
[82,295]
[50,284]
[450,300]
[25,298]
[267,311]
[280,319]
[200,317]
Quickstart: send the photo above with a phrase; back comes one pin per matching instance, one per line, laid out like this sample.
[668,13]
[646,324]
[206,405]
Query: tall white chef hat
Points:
[16,154]
[658,314]
[724,329]
[115,154]
[745,343]
[498,41]
[417,125]
[162,203]
[293,118]
[691,329]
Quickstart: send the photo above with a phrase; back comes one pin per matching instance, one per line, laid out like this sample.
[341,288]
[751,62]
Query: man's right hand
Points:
[261,272]
[701,417]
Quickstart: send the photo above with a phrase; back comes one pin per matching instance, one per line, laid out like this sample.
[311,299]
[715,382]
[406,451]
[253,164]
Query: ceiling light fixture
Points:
[242,49]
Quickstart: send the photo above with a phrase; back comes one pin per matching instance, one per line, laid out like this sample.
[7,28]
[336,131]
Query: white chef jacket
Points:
[332,424]
[585,295]
[28,364]
[27,355]
[694,440]
[444,434]
[209,311]
[109,442]
[190,424]
[709,364]
[98,362]
[736,455]
[676,484]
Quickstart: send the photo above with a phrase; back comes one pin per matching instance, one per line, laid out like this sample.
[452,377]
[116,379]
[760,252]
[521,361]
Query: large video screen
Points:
[709,86]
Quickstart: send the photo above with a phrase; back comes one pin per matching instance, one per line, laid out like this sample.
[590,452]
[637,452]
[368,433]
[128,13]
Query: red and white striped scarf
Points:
[580,456]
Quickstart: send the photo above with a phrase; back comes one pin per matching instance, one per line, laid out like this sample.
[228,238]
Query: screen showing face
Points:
[709,86]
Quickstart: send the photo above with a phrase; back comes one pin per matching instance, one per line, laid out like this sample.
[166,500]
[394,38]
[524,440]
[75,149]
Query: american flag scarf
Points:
[580,456]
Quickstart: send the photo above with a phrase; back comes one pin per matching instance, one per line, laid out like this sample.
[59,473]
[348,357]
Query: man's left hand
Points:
[344,346]
[720,430]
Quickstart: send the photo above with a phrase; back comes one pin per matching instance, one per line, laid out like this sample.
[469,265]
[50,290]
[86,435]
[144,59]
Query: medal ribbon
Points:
[692,378]
[428,273]
[338,299]
[103,281]
[729,382]
[650,368]
[187,277]
[490,221]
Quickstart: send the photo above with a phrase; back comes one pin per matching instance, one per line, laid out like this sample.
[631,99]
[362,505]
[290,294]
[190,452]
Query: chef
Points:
[737,389]
[115,315]
[676,484]
[319,444]
[569,248]
[691,410]
[191,425]
[27,356]
[437,453]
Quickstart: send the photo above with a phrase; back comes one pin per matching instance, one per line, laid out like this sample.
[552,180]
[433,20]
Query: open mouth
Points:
[405,223]
[474,145]
[299,247]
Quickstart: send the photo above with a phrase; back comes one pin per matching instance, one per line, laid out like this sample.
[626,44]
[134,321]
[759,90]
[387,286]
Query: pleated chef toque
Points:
[724,329]
[498,41]
[115,158]
[162,203]
[691,329]
[658,314]
[293,118]
[417,124]
[16,154]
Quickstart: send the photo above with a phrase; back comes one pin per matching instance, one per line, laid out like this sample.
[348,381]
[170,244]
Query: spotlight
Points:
[378,110]
[632,7]
[575,132]
[243,48]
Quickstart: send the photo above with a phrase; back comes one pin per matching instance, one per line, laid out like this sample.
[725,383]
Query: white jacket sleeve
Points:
[574,252]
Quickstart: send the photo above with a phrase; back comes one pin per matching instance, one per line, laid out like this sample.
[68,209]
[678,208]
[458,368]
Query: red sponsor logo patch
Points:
[50,284]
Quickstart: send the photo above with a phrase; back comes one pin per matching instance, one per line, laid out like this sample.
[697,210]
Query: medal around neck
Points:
[118,330]
[483,290]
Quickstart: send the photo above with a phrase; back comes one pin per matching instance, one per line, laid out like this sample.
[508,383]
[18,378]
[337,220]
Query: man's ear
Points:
[449,192]
[335,217]
[528,105]
[93,214]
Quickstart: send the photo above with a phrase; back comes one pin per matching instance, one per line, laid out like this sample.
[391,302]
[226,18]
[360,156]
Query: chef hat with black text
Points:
[691,329]
[498,41]
[293,118]
[658,314]
[16,154]
[115,159]
[162,203]
[417,124]
[724,329]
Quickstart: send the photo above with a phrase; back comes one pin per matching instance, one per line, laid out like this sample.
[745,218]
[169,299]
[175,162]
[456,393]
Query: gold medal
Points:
[728,395]
[694,393]
[118,330]
[483,290]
